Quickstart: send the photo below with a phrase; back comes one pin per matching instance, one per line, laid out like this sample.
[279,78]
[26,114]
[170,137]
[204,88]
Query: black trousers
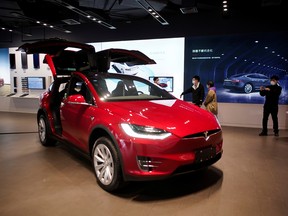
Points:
[274,113]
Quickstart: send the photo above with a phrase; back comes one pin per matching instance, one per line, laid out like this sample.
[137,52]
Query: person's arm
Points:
[276,91]
[189,90]
[263,91]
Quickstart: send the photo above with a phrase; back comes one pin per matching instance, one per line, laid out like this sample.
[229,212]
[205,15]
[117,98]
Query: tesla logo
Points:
[205,134]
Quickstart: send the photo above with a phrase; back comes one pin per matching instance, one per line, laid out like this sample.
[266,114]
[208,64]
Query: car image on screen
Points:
[129,128]
[246,83]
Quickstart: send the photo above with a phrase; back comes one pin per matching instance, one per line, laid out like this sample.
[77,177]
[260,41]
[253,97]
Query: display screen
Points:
[164,82]
[36,62]
[238,65]
[36,83]
[12,61]
[24,60]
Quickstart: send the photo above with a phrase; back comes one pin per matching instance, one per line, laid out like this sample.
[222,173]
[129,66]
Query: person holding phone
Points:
[271,94]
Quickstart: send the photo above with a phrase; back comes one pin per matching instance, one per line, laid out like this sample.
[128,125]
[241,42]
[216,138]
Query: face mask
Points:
[273,83]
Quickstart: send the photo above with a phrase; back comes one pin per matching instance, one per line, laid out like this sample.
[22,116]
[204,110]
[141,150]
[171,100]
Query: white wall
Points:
[19,72]
[18,104]
[249,115]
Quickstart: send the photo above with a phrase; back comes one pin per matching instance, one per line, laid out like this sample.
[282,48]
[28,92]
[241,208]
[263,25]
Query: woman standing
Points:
[211,99]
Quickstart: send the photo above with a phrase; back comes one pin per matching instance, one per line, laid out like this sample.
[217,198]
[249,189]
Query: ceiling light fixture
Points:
[152,12]
[15,31]
[40,22]
[84,14]
[225,7]
[189,10]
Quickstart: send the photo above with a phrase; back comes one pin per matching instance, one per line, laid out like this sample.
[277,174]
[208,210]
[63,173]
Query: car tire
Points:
[107,166]
[248,88]
[44,132]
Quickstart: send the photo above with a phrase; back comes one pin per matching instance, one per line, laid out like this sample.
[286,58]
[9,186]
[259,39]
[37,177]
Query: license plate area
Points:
[205,154]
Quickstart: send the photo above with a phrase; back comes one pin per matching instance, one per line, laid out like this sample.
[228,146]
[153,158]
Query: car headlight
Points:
[145,132]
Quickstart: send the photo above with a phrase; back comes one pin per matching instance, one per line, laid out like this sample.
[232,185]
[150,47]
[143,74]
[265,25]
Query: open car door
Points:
[60,53]
[130,57]
[65,57]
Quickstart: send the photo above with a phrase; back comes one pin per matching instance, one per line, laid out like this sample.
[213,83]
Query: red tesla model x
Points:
[128,132]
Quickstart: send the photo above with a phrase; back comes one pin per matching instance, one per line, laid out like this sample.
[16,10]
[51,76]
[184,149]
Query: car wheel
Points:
[248,88]
[44,132]
[107,164]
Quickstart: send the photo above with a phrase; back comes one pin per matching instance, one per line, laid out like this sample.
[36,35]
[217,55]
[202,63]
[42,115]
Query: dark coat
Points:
[197,94]
[272,96]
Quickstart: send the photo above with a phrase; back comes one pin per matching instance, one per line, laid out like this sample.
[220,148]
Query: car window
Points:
[262,76]
[237,75]
[128,88]
[254,76]
[77,86]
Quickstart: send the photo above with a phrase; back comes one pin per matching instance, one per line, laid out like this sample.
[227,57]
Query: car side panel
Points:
[76,120]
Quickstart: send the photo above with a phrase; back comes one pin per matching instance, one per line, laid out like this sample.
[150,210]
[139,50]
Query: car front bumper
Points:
[158,159]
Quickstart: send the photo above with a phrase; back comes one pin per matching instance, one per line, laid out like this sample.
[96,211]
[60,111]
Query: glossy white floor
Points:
[250,179]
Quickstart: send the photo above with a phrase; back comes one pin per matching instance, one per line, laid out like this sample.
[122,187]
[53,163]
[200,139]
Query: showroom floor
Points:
[250,179]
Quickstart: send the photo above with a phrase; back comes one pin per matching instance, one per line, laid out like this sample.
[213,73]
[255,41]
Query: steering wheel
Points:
[140,92]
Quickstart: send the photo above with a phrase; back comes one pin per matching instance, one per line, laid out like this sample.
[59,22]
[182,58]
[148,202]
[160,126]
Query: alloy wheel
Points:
[42,129]
[104,164]
[248,88]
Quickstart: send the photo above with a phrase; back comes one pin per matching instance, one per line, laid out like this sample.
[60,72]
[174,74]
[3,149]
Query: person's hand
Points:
[267,89]
[262,88]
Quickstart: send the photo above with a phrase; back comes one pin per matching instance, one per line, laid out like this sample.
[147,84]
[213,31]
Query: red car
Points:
[127,132]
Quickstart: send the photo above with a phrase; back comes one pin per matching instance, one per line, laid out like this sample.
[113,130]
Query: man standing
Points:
[197,90]
[272,93]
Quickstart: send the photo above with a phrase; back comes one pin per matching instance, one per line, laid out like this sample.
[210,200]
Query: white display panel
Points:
[167,53]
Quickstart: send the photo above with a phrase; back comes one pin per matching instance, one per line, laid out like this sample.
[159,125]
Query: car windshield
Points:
[114,87]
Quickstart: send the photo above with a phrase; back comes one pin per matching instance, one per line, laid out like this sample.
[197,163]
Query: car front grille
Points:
[204,134]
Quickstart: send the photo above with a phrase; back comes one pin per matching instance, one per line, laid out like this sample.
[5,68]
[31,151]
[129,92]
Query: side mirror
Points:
[76,99]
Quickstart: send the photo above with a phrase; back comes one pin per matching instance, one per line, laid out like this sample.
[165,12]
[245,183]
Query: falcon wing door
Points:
[62,56]
[123,56]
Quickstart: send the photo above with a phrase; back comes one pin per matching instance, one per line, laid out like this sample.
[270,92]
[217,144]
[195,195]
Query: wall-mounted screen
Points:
[36,62]
[12,59]
[238,65]
[164,82]
[24,60]
[36,83]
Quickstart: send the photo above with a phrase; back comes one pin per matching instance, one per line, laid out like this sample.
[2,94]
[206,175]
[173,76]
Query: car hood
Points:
[176,116]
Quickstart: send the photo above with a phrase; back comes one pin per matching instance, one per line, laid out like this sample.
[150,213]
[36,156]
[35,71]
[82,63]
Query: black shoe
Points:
[276,134]
[262,134]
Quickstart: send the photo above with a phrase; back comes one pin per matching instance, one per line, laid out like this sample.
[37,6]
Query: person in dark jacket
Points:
[197,90]
[271,93]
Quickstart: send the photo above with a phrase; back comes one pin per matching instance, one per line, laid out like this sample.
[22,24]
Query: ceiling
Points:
[22,17]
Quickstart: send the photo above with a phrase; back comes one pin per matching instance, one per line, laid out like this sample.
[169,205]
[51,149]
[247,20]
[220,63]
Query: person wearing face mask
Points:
[197,90]
[210,101]
[271,94]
